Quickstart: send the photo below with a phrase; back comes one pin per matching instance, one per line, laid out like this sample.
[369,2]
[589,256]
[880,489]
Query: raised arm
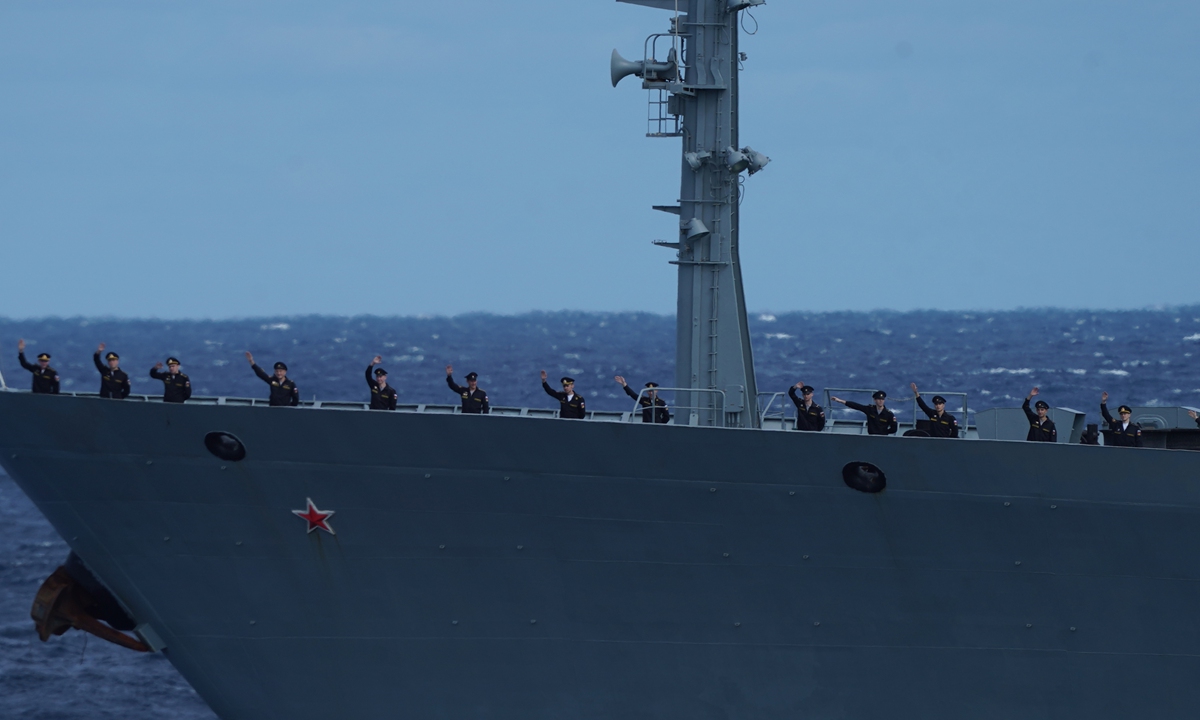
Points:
[853,405]
[925,408]
[560,396]
[1030,415]
[262,375]
[155,372]
[96,360]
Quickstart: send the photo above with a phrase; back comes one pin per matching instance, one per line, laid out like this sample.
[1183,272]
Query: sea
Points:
[1140,357]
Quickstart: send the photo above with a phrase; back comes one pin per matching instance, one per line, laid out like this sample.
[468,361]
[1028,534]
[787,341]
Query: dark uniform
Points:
[878,423]
[177,387]
[573,408]
[945,426]
[113,383]
[812,419]
[1198,422]
[45,380]
[284,393]
[474,402]
[1121,437]
[655,410]
[1039,430]
[381,399]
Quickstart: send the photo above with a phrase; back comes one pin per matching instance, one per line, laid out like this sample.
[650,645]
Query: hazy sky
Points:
[218,159]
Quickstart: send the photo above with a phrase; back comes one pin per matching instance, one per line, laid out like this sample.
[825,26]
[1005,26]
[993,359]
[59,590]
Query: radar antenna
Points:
[694,91]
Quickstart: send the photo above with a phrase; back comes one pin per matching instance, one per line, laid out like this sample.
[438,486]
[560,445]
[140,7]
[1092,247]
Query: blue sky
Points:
[227,159]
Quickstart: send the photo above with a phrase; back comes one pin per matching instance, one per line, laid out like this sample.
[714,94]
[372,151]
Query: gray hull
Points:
[509,567]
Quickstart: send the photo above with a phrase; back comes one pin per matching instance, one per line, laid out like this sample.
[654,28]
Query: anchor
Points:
[62,603]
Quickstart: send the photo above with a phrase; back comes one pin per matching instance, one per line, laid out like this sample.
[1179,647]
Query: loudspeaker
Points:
[694,229]
[620,67]
[736,161]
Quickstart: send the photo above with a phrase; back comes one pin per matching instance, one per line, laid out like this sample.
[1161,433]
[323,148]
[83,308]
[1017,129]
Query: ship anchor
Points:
[62,603]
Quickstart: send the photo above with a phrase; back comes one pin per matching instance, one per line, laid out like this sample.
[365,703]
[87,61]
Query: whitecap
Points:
[1077,371]
[1118,373]
[571,356]
[1193,337]
[779,336]
[1009,371]
[766,317]
[275,326]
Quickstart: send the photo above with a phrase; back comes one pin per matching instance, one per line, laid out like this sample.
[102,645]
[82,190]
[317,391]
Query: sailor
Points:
[880,420]
[1123,433]
[1041,428]
[45,378]
[177,387]
[1195,416]
[809,415]
[572,405]
[941,423]
[383,396]
[284,392]
[654,407]
[114,383]
[474,399]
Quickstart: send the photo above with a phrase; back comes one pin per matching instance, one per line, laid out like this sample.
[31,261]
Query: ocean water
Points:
[1141,357]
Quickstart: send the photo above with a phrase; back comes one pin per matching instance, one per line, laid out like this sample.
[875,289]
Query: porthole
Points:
[864,477]
[225,446]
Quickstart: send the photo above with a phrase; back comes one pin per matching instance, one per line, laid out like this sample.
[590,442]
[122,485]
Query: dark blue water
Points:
[1142,357]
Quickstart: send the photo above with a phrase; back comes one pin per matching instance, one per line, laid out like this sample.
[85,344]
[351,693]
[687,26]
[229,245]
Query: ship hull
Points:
[511,567]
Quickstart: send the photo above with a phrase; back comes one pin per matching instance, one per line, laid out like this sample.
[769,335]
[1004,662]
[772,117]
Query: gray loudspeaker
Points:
[735,160]
[694,229]
[620,67]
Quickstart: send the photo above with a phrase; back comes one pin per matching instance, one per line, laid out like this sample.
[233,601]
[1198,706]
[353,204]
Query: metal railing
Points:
[765,411]
[695,412]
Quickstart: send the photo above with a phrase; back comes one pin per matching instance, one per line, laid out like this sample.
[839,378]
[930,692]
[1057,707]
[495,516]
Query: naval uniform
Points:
[381,399]
[655,411]
[474,402]
[878,423]
[1039,430]
[176,388]
[45,381]
[811,419]
[1129,436]
[113,383]
[572,407]
[284,393]
[945,426]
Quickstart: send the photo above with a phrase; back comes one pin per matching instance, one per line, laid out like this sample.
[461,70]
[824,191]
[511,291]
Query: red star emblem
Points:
[316,518]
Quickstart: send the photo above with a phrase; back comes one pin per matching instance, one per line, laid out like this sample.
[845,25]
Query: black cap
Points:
[879,395]
[280,366]
[651,384]
[1124,409]
[472,376]
[566,380]
[807,390]
[173,361]
[43,356]
[112,356]
[380,371]
[939,400]
[1042,404]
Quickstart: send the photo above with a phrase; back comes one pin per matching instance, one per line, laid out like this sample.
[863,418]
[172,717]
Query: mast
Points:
[694,95]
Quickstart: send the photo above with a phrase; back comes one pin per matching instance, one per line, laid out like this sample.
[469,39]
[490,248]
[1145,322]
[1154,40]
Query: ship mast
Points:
[691,72]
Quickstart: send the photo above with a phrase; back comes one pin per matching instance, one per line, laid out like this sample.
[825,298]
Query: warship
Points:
[330,561]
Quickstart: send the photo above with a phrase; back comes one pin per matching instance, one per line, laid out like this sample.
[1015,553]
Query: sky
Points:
[241,159]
